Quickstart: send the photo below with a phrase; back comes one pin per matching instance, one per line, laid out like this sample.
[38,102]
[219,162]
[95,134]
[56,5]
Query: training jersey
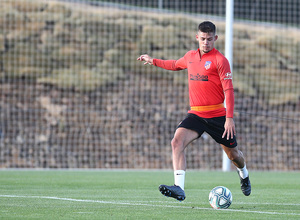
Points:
[209,78]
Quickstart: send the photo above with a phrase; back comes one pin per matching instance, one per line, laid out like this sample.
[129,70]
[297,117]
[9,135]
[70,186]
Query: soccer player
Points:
[210,81]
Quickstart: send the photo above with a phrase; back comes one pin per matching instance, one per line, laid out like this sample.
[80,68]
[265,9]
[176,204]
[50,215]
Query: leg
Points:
[236,156]
[182,138]
[180,141]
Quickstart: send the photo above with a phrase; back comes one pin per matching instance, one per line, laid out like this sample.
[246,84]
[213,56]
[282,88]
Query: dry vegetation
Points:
[76,46]
[74,53]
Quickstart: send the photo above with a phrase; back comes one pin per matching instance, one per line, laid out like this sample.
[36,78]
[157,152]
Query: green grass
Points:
[98,194]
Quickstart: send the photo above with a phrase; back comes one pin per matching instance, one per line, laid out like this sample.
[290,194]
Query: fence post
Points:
[228,53]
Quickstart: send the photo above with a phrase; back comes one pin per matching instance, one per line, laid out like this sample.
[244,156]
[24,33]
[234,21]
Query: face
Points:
[206,41]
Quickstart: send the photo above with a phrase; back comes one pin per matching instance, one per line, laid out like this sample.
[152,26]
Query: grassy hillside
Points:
[84,47]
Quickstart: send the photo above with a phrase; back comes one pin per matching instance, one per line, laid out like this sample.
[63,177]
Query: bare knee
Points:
[177,144]
[182,138]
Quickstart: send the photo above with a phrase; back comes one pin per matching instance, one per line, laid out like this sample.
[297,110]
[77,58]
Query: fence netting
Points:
[72,94]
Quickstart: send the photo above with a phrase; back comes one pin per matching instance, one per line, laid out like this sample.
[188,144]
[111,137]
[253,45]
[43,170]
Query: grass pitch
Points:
[101,194]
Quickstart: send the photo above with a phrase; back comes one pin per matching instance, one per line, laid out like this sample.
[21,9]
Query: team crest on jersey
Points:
[207,65]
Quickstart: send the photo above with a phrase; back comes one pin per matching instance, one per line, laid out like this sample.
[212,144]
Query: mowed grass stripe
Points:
[147,204]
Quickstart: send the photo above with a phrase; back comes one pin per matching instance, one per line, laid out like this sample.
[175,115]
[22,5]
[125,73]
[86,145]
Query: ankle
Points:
[243,172]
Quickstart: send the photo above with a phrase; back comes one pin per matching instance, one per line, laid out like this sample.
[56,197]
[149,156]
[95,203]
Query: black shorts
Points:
[213,126]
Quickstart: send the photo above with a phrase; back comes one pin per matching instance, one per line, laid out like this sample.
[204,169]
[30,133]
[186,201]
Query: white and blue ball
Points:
[220,197]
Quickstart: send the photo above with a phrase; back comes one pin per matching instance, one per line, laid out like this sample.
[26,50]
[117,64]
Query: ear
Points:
[216,37]
[197,36]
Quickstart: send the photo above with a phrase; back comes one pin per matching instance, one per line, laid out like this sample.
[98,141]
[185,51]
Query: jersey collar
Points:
[210,52]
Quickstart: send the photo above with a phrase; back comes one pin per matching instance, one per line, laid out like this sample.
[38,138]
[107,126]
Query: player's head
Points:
[206,36]
[207,27]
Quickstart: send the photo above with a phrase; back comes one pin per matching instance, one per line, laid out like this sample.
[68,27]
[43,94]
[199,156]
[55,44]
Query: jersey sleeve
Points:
[226,80]
[229,94]
[174,65]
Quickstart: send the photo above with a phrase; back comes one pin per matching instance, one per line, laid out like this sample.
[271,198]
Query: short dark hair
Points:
[207,27]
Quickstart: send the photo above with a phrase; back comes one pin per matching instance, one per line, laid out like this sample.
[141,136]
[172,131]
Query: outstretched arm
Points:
[146,58]
[165,64]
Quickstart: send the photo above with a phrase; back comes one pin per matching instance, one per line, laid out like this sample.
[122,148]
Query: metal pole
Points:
[228,54]
[160,4]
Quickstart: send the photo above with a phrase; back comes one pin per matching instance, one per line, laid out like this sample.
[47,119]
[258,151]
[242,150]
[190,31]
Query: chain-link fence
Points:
[72,94]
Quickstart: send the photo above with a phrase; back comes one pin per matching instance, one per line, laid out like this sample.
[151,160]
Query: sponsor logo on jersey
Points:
[207,65]
[228,76]
[198,77]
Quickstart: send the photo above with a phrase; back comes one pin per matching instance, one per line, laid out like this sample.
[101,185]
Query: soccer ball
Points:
[220,197]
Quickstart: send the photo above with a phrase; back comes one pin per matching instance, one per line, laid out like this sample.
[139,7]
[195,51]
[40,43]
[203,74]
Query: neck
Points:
[201,53]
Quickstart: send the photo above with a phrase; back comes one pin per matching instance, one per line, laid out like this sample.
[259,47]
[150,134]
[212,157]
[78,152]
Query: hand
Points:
[229,128]
[146,58]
